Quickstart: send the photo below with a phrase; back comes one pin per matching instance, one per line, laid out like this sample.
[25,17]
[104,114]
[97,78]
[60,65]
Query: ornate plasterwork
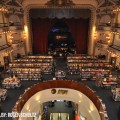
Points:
[78,6]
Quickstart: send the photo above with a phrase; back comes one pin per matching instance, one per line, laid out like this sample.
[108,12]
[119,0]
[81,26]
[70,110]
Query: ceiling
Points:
[100,2]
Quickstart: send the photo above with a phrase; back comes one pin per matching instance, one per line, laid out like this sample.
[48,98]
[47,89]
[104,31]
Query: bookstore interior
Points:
[59,60]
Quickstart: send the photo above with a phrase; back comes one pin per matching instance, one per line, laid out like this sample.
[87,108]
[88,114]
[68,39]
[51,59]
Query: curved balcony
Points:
[104,26]
[5,48]
[17,45]
[15,26]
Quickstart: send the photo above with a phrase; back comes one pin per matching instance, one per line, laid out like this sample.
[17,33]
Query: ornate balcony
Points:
[15,26]
[102,45]
[104,27]
[17,45]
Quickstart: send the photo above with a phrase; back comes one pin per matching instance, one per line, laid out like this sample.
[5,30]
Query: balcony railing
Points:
[104,26]
[15,26]
[4,47]
[11,28]
[101,45]
[3,25]
[115,47]
[116,25]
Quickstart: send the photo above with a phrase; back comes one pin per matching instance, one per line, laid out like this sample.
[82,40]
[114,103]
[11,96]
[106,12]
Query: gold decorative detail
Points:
[62,92]
[60,3]
[53,91]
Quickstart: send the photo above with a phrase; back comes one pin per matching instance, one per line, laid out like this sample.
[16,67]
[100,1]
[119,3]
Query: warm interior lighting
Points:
[3,9]
[89,111]
[25,32]
[91,107]
[38,98]
[27,108]
[25,29]
[113,54]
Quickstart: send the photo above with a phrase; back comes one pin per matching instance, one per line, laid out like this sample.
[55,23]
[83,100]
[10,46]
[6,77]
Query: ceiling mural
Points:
[100,3]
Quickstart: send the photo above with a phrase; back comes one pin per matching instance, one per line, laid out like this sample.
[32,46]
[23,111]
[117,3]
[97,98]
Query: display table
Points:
[3,94]
[11,82]
[110,84]
[116,94]
[60,75]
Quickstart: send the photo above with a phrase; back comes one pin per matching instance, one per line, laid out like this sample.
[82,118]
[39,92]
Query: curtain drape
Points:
[40,30]
[79,30]
[41,27]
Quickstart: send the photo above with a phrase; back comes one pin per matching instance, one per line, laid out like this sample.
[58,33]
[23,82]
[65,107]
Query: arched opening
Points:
[41,25]
[60,40]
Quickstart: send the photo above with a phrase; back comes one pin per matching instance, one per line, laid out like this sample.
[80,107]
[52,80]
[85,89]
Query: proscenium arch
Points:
[32,96]
[84,6]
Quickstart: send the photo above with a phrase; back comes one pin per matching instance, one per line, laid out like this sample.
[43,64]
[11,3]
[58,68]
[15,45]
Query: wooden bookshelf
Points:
[32,67]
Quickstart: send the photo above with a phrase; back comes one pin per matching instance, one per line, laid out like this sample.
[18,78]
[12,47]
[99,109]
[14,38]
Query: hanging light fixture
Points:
[3,7]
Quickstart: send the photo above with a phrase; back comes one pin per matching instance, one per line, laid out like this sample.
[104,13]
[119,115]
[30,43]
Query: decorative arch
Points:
[84,6]
[76,91]
[14,19]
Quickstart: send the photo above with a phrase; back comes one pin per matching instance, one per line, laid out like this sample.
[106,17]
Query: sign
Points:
[60,91]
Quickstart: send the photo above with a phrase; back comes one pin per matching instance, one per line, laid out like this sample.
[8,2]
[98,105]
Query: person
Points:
[98,79]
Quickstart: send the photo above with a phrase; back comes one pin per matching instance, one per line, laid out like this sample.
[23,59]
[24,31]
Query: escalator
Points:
[59,116]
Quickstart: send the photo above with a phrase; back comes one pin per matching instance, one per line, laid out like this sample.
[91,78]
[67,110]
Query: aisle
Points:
[61,64]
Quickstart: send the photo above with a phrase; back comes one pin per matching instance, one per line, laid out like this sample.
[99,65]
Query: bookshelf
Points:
[32,67]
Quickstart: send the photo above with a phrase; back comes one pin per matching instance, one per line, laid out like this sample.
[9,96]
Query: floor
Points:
[113,108]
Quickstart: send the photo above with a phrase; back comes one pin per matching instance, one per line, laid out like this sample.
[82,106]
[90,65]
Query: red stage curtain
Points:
[41,28]
[79,30]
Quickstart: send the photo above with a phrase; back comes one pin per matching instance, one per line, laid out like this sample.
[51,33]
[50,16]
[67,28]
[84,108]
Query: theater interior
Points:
[59,59]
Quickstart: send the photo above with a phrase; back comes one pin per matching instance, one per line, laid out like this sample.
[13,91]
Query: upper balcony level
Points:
[104,26]
[102,44]
[117,48]
[15,26]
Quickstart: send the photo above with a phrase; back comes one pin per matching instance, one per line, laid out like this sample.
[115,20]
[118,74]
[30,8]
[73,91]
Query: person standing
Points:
[98,79]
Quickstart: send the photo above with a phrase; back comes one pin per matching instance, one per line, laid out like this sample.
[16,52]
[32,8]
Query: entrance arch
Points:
[76,92]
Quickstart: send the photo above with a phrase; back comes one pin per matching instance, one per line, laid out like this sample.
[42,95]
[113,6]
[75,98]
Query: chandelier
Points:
[3,9]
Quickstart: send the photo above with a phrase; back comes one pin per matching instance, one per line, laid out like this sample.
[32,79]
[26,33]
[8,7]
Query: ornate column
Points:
[28,44]
[91,43]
